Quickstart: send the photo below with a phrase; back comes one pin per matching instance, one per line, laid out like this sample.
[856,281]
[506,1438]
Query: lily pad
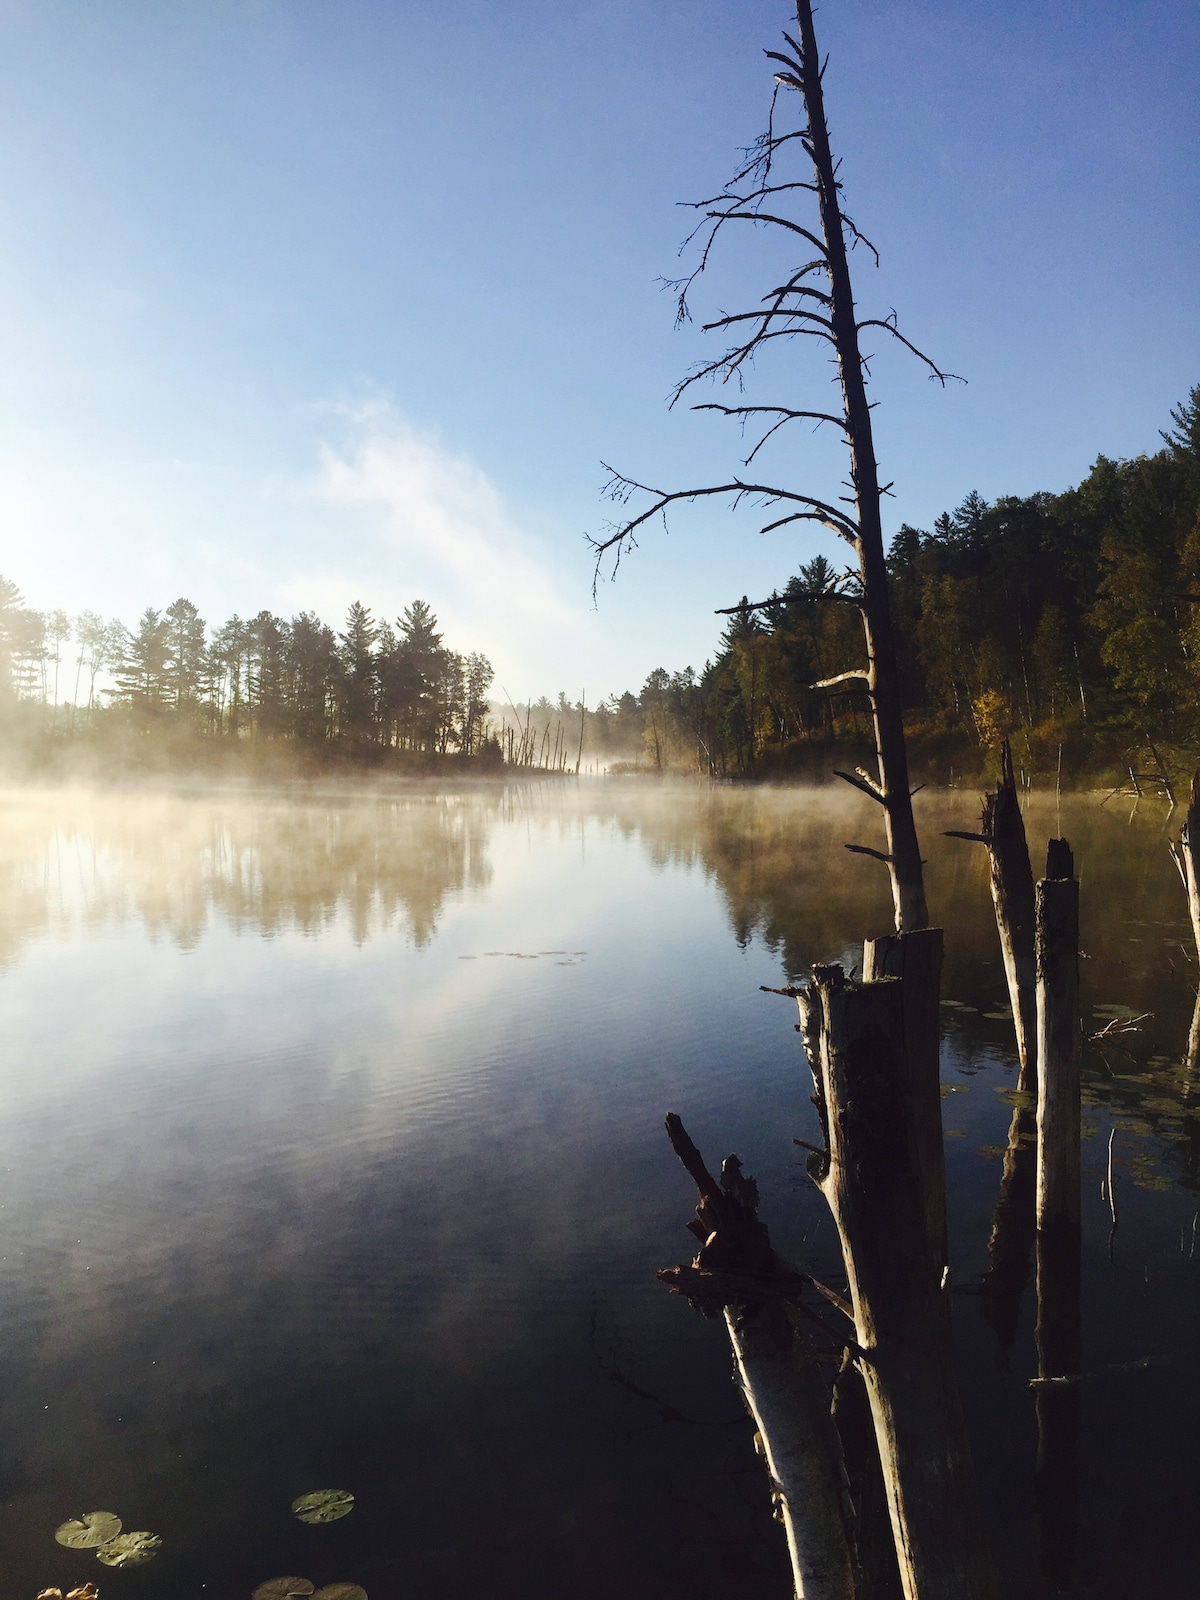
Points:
[324,1505]
[93,1529]
[85,1591]
[50,1594]
[282,1588]
[130,1550]
[340,1591]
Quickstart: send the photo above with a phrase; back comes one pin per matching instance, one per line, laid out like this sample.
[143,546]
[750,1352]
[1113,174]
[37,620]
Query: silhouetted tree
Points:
[797,307]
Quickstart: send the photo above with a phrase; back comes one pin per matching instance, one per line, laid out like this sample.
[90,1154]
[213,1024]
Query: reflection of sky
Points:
[301,1186]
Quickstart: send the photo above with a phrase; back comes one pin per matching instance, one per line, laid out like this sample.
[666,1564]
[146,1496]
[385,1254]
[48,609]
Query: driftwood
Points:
[778,1362]
[871,1176]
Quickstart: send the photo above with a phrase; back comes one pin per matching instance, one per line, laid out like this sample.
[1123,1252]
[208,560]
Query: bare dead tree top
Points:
[793,308]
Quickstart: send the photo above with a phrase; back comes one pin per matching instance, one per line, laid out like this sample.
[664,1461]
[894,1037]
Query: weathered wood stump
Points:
[1058,1110]
[872,1176]
[1058,1214]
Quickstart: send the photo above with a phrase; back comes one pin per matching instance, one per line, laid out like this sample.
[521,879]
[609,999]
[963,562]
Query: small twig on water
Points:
[1112,1198]
[1101,1372]
[1120,1025]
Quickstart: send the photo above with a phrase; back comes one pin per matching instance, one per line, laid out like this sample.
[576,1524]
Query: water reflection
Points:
[300,1185]
[175,862]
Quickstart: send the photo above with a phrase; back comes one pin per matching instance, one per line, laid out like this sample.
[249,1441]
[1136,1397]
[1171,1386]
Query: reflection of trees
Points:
[778,859]
[266,864]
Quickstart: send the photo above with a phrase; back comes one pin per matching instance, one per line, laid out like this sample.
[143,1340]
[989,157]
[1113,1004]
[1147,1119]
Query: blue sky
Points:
[303,301]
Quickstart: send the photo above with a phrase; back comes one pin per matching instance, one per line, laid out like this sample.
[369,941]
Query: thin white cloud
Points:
[443,515]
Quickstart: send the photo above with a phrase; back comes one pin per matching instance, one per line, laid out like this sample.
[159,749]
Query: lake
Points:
[331,1156]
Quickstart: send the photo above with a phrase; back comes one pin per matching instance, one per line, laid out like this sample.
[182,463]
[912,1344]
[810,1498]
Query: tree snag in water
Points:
[792,309]
[778,1363]
[1013,1223]
[1058,1110]
[872,1178]
[1058,1213]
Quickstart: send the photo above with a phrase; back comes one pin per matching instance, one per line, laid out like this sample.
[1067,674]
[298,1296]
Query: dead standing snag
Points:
[871,1175]
[1058,1212]
[796,308]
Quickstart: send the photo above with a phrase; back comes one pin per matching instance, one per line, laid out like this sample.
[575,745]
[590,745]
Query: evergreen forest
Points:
[1067,623]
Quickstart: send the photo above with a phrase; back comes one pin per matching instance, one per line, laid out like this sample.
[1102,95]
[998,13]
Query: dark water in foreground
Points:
[331,1156]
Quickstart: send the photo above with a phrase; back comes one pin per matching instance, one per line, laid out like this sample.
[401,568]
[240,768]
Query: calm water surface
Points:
[331,1156]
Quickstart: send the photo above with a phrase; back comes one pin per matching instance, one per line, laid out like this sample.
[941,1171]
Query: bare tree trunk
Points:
[1058,1111]
[1012,896]
[908,884]
[1184,854]
[871,1177]
[738,1273]
[916,959]
[1057,1404]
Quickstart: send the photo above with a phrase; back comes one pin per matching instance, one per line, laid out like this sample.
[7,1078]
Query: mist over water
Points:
[331,1156]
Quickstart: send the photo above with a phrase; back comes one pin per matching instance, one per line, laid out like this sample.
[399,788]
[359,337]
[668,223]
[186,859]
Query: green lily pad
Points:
[130,1550]
[324,1505]
[282,1588]
[340,1591]
[93,1529]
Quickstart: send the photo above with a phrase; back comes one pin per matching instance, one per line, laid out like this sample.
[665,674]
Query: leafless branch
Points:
[620,488]
[864,785]
[865,850]
[890,326]
[728,194]
[746,606]
[785,412]
[859,236]
[736,357]
[765,317]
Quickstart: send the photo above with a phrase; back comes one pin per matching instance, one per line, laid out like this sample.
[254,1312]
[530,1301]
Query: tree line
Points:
[372,686]
[1068,623]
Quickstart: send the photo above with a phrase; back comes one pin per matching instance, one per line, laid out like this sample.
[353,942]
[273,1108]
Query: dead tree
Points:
[804,306]
[873,1174]
[1058,1213]
[777,1356]
[1013,1224]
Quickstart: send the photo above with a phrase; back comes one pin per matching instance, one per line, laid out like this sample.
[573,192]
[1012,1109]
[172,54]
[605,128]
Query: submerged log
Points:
[871,1176]
[778,1363]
